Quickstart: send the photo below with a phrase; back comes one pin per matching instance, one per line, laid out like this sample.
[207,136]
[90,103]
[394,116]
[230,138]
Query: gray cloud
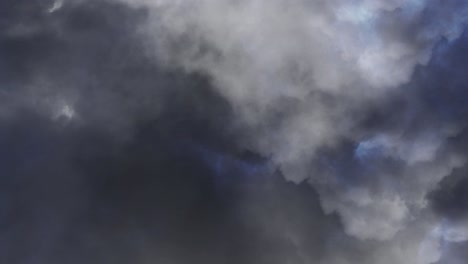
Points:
[334,59]
[233,131]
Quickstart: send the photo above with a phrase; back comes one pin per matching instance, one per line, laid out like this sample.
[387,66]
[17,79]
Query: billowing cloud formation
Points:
[305,131]
[302,74]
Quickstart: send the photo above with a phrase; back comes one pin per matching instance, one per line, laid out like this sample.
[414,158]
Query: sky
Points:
[233,131]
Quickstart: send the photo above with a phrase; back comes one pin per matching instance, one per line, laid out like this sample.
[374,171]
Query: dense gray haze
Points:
[233,131]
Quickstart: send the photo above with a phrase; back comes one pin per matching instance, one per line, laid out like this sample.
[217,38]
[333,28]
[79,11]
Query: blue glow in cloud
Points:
[369,149]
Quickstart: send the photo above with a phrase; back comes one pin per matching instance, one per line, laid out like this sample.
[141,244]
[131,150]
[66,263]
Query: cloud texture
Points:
[233,131]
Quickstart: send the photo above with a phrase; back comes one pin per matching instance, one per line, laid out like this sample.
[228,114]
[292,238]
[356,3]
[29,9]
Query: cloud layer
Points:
[233,131]
[302,75]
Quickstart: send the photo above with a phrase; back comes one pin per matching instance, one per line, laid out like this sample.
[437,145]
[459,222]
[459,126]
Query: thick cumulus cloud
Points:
[303,76]
[233,131]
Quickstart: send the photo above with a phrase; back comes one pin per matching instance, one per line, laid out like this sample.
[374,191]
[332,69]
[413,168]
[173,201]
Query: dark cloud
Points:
[143,132]
[450,199]
[77,194]
[144,167]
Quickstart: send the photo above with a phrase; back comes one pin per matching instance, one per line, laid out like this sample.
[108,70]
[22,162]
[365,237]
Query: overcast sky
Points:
[233,131]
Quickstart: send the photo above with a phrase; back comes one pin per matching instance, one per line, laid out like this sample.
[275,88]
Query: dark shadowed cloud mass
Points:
[233,131]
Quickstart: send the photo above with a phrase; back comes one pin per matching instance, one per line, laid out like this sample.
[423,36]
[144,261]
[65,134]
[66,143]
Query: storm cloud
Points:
[233,131]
